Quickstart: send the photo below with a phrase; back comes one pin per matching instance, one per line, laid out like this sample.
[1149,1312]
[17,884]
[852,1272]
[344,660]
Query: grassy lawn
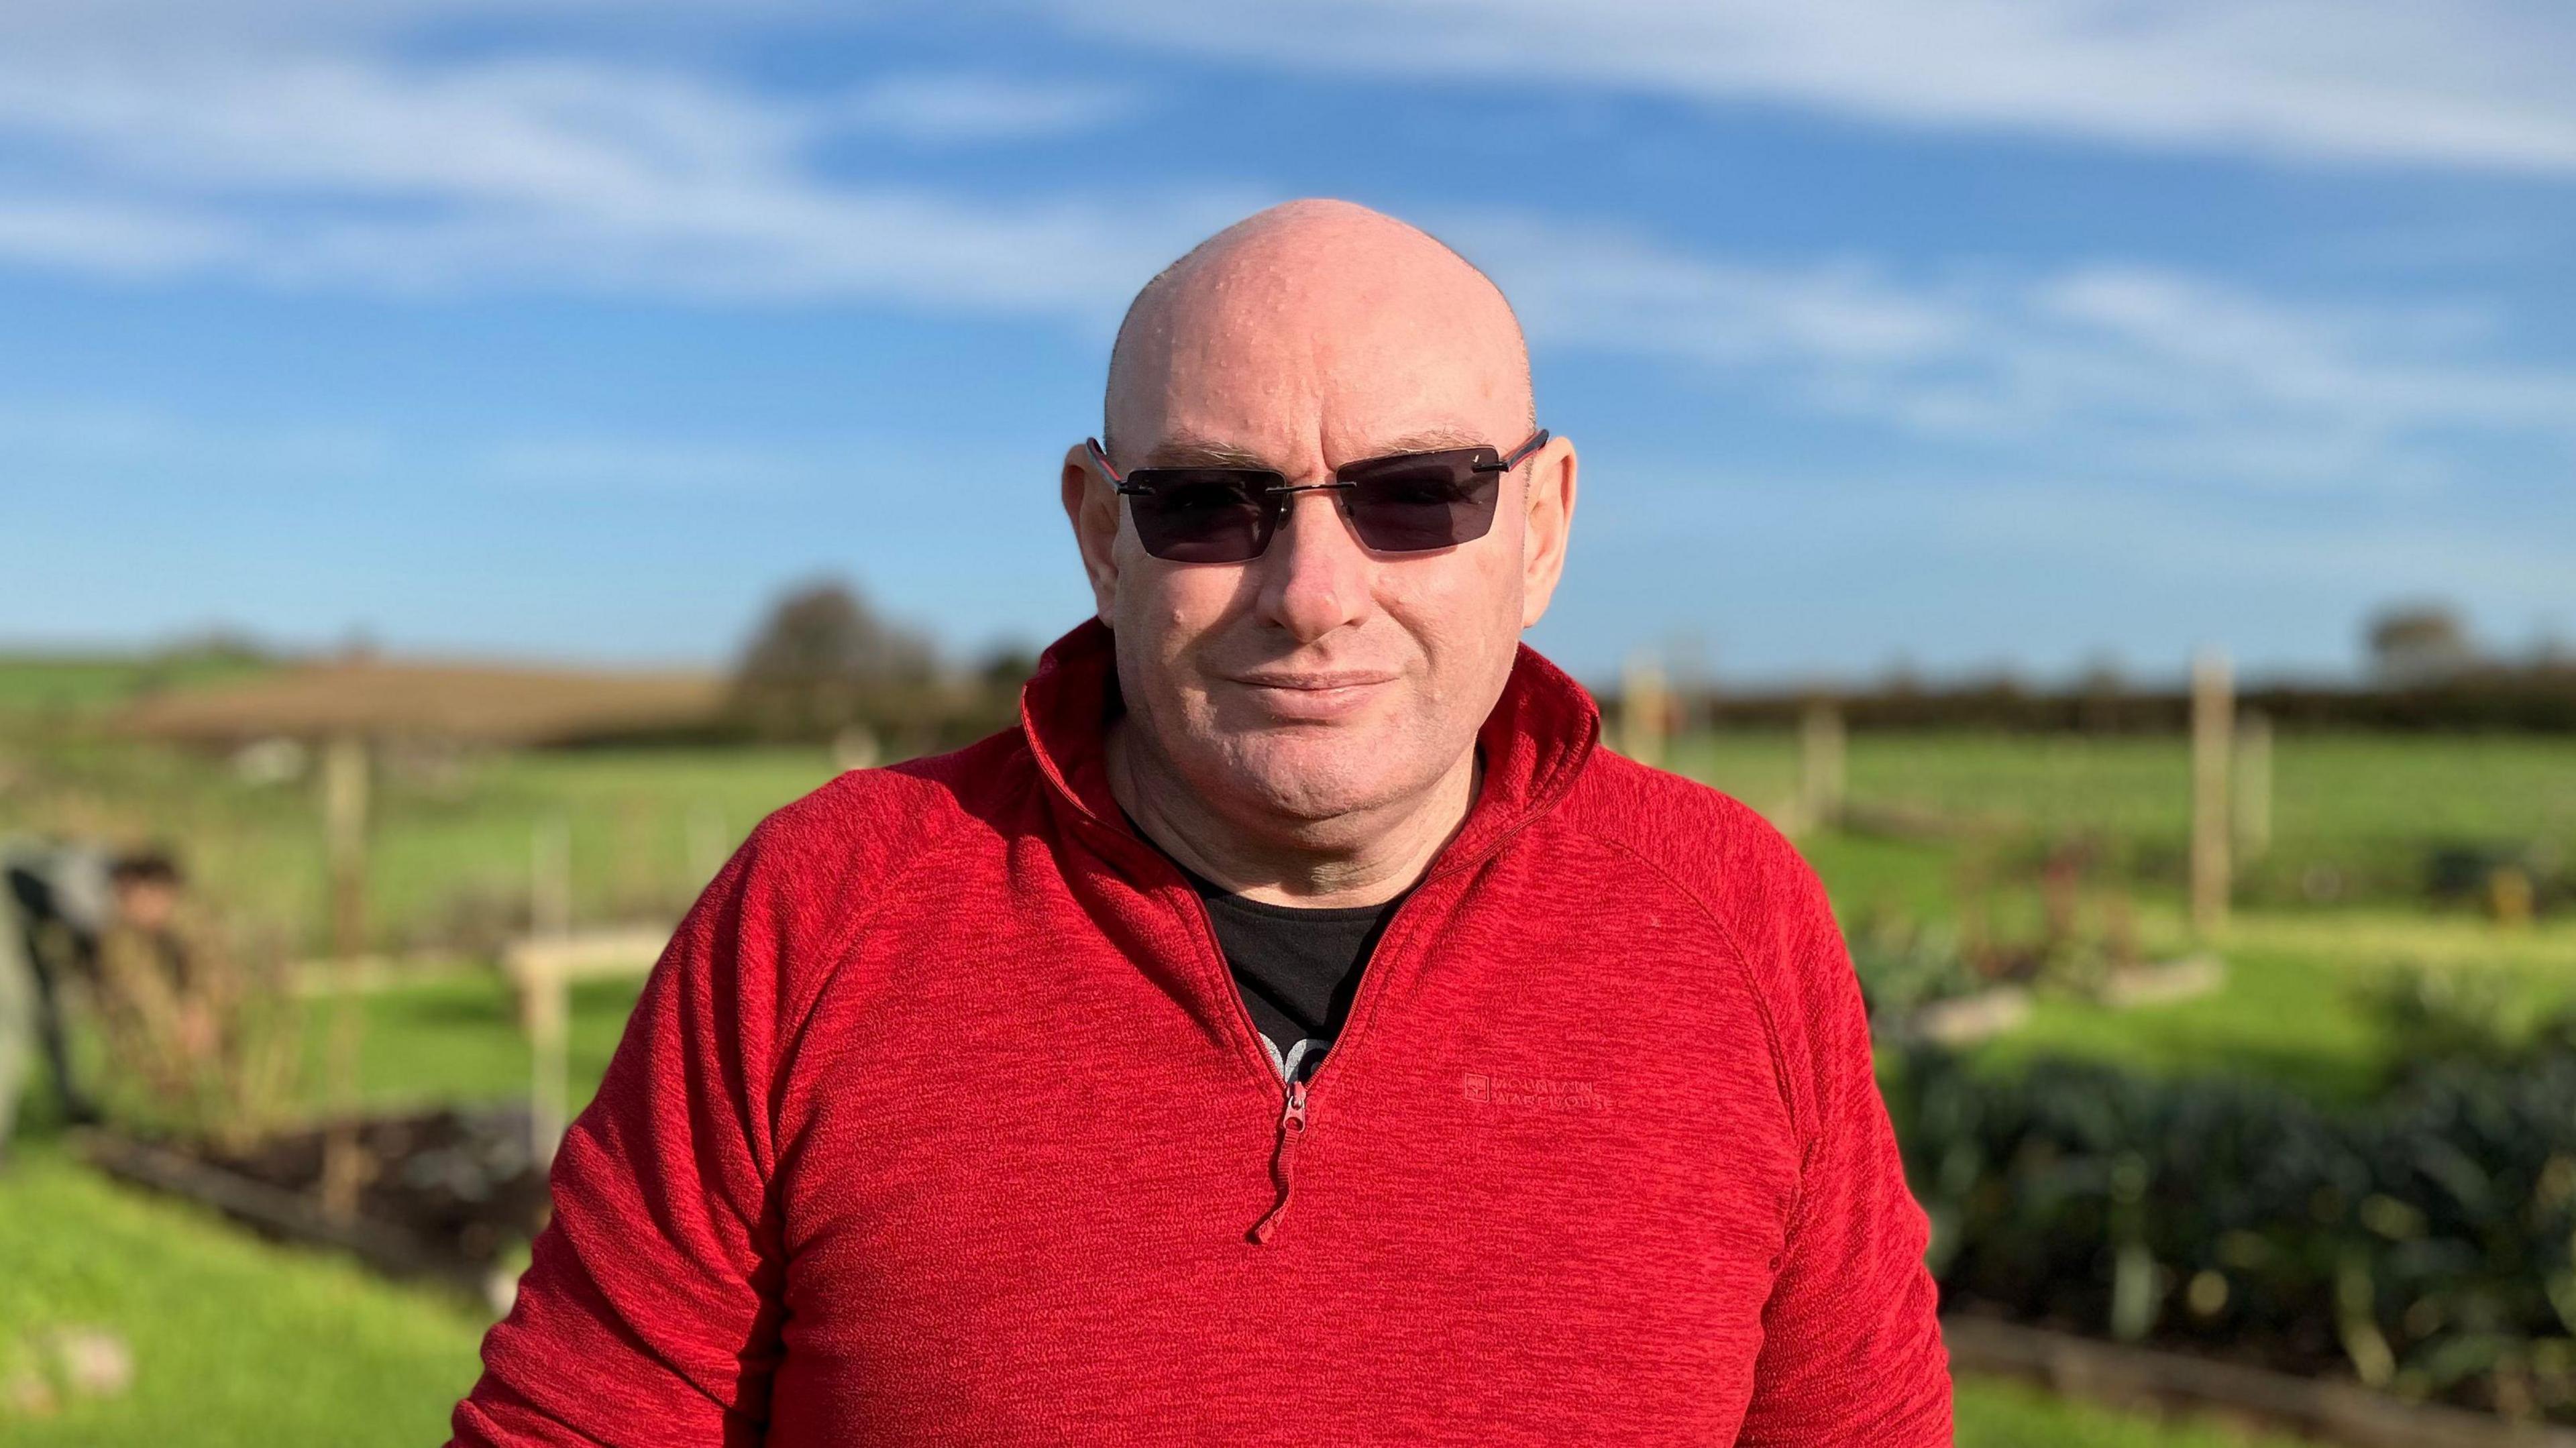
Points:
[459,1040]
[2330,790]
[234,1341]
[2293,1010]
[2367,808]
[51,687]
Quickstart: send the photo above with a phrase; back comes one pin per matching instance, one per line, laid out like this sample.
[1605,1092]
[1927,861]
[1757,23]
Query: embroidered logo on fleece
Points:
[1525,1094]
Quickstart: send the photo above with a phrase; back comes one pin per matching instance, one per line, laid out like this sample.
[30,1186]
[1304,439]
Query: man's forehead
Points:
[1318,325]
[1289,391]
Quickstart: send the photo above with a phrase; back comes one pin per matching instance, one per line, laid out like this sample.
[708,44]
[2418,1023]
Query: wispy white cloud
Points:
[963,108]
[113,238]
[2476,83]
[63,443]
[345,170]
[2188,536]
[2162,370]
[2479,83]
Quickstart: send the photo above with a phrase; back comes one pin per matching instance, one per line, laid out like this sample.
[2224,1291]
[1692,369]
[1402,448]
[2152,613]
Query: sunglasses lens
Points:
[1202,515]
[1424,500]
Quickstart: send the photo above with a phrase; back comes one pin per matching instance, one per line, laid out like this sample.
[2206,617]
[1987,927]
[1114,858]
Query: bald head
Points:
[1324,312]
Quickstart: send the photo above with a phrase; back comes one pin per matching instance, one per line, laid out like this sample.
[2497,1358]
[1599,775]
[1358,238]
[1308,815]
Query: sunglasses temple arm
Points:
[1536,441]
[1100,456]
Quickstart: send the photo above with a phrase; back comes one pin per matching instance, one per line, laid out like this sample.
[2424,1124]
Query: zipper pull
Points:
[1292,1129]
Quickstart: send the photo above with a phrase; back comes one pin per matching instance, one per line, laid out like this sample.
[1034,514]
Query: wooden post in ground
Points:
[546,1010]
[2213,731]
[1645,708]
[344,835]
[545,1004]
[1821,765]
[2252,786]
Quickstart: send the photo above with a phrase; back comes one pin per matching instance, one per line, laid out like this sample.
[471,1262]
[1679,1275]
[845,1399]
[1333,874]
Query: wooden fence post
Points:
[344,837]
[545,1002]
[344,834]
[546,1008]
[1645,708]
[1821,743]
[2213,729]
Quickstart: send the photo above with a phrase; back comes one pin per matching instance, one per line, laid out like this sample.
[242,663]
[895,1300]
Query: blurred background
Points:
[2101,474]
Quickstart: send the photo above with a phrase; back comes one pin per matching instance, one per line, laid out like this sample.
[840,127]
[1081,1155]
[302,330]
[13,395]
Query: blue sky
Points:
[1956,332]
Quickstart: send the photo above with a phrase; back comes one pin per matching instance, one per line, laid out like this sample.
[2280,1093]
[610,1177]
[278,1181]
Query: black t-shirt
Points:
[1297,965]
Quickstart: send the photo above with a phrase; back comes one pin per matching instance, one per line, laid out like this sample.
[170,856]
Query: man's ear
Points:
[1091,505]
[1550,518]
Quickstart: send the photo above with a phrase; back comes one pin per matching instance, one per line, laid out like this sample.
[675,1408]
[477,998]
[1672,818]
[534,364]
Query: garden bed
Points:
[449,1195]
[2416,1244]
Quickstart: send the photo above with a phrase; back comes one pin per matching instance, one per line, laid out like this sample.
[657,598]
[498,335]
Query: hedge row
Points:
[2425,1244]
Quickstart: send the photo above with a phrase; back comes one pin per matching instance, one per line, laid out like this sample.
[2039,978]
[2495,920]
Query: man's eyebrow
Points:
[1191,451]
[1437,439]
[1187,451]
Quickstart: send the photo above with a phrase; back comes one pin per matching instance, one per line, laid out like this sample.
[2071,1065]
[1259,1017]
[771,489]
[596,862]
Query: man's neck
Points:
[1364,858]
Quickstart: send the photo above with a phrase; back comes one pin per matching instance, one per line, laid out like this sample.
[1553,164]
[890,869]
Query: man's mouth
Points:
[1314,694]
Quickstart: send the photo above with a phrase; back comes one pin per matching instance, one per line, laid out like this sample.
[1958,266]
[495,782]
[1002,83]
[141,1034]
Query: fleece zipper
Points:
[1292,1126]
[1283,1161]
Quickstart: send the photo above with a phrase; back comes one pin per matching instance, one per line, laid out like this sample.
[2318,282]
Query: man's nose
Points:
[1315,573]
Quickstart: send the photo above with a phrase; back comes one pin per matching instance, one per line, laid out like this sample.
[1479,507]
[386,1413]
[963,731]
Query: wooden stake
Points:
[544,1002]
[546,1008]
[2213,707]
[1821,764]
[344,833]
[1645,705]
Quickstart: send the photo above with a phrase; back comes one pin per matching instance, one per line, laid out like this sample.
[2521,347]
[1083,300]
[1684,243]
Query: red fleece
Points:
[1598,1157]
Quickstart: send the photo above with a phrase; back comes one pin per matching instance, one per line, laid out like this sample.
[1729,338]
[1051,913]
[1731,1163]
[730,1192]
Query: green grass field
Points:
[2357,813]
[57,687]
[453,849]
[239,1341]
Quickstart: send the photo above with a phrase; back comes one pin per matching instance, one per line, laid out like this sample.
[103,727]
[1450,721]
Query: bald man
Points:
[1296,1028]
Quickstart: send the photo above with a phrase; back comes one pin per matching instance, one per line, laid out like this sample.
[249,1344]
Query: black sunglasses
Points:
[1405,503]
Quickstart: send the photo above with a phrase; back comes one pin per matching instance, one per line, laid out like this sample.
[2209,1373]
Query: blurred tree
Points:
[1006,668]
[2419,643]
[824,660]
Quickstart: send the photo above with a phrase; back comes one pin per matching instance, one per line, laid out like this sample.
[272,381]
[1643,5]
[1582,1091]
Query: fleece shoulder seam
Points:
[845,943]
[1743,969]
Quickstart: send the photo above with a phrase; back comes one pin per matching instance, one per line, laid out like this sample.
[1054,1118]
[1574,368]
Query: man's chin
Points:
[1307,773]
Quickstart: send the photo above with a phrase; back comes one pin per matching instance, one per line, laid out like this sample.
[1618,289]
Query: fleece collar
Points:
[1534,742]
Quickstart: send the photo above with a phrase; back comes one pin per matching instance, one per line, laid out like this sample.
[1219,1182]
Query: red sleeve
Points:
[649,1313]
[1852,1349]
